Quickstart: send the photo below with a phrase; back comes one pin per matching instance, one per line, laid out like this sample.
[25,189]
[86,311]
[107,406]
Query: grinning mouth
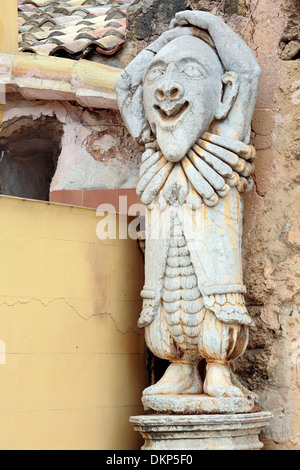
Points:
[173,114]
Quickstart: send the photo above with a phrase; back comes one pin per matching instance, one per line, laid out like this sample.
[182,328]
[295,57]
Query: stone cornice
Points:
[36,77]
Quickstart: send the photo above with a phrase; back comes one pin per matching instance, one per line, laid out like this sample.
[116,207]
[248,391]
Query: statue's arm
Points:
[236,57]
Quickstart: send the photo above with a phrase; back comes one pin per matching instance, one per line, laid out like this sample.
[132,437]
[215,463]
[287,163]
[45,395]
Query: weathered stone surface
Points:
[291,50]
[290,40]
[29,152]
[271,262]
[217,432]
[37,77]
[84,159]
[238,7]
[142,15]
[197,404]
[193,109]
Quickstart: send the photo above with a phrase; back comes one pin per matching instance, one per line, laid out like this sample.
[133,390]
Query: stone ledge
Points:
[197,404]
[47,78]
[205,432]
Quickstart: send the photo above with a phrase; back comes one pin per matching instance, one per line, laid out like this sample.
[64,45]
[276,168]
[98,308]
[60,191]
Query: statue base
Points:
[196,404]
[202,432]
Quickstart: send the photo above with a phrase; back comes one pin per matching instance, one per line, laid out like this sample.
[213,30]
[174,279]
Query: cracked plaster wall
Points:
[96,149]
[69,303]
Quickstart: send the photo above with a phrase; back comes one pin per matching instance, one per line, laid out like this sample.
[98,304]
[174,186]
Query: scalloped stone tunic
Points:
[182,301]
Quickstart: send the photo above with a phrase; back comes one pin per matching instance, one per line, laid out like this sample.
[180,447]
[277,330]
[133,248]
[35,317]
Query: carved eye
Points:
[154,74]
[192,72]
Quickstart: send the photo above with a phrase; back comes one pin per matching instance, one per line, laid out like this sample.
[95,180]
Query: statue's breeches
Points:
[212,339]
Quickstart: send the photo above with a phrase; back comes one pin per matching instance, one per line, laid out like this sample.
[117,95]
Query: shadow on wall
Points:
[29,151]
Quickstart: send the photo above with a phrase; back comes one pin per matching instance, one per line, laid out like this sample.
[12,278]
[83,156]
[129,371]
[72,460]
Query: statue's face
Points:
[182,90]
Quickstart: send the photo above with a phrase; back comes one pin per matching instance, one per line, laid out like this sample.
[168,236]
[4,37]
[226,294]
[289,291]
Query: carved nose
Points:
[172,93]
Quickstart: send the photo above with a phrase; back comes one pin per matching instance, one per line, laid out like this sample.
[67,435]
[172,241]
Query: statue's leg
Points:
[220,343]
[182,375]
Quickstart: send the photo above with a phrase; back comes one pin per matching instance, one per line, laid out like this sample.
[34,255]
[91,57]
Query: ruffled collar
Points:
[206,173]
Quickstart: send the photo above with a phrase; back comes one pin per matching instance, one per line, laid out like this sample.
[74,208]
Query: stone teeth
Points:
[177,242]
[173,319]
[171,296]
[191,294]
[180,338]
[173,243]
[173,262]
[172,307]
[174,251]
[184,261]
[177,231]
[172,284]
[177,330]
[173,272]
[187,271]
[193,306]
[210,301]
[191,332]
[183,251]
[177,251]
[194,340]
[181,242]
[189,282]
[194,320]
[221,299]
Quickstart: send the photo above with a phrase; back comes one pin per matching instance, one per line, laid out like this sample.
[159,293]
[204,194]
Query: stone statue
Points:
[189,98]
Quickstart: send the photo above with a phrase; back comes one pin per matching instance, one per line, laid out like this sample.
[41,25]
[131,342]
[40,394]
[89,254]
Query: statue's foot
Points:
[247,393]
[179,379]
[218,382]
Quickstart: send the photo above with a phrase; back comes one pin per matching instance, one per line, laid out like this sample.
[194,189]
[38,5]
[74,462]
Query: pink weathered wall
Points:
[271,239]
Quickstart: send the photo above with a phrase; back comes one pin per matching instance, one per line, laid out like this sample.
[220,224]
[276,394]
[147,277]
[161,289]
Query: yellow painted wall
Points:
[69,304]
[8,26]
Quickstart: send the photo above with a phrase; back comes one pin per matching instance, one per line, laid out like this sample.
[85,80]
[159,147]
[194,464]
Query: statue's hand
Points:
[236,57]
[200,19]
[148,313]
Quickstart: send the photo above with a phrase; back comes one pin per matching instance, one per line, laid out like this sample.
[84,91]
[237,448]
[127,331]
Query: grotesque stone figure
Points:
[189,98]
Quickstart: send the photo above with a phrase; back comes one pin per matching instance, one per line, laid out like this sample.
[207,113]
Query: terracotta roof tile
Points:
[72,28]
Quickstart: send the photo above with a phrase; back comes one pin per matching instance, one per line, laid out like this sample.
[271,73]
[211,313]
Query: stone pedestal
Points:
[197,404]
[202,432]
